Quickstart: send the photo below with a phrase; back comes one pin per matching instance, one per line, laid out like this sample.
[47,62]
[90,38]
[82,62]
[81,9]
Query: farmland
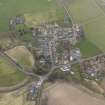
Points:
[32,8]
[9,75]
[21,55]
[67,94]
[12,99]
[88,49]
[89,14]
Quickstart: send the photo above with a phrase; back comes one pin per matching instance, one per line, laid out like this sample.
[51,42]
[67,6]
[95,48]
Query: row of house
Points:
[34,89]
[94,67]
[60,33]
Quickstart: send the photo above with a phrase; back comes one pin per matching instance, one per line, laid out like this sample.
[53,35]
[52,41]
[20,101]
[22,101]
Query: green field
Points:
[89,14]
[36,8]
[9,75]
[87,48]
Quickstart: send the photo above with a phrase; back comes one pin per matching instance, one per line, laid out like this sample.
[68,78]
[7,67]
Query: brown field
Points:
[65,94]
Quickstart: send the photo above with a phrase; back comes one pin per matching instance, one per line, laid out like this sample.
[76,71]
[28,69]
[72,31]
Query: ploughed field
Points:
[66,94]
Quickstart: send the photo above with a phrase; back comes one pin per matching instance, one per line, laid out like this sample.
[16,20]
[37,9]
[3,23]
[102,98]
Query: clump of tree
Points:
[58,74]
[43,64]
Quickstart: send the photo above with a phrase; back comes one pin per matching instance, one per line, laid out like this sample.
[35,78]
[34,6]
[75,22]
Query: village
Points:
[56,50]
[52,52]
[55,43]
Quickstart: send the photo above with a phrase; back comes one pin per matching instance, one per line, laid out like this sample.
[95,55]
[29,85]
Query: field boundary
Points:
[78,86]
[15,87]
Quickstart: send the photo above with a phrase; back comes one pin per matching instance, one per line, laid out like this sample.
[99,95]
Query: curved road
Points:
[19,66]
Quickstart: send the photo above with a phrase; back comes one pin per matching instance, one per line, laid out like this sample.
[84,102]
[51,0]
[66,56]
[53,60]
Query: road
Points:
[65,5]
[93,57]
[26,72]
[19,66]
[14,87]
[45,77]
[68,13]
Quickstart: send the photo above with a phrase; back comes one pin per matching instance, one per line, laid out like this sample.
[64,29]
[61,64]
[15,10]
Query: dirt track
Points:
[65,94]
[64,2]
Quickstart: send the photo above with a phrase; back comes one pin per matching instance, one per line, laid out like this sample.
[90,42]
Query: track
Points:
[15,87]
[19,66]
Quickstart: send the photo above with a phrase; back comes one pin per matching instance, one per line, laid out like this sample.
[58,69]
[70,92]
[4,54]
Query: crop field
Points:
[9,75]
[66,94]
[29,8]
[91,14]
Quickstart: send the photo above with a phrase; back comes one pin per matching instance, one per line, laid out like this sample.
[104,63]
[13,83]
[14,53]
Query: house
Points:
[53,38]
[66,68]
[94,67]
[75,55]
[32,92]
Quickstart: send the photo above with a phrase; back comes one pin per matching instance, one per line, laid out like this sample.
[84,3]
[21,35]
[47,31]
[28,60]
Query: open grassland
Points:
[9,75]
[66,94]
[40,9]
[89,14]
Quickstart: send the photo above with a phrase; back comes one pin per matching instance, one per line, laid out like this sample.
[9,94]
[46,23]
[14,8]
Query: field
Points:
[90,14]
[29,8]
[21,55]
[15,98]
[65,94]
[88,49]
[6,41]
[9,75]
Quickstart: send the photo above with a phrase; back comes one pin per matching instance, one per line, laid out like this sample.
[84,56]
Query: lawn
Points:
[89,14]
[9,75]
[10,8]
